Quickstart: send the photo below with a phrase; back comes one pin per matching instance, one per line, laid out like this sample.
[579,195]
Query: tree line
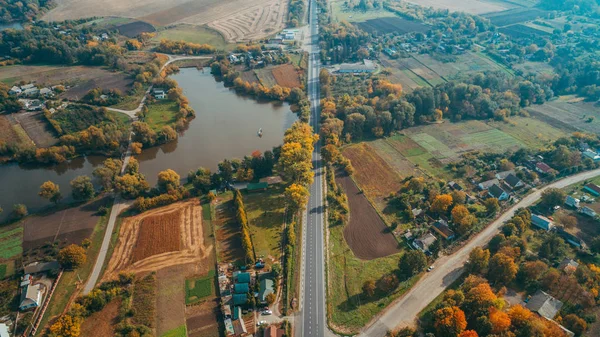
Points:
[19,11]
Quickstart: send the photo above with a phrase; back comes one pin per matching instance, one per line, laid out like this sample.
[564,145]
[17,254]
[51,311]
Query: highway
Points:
[312,316]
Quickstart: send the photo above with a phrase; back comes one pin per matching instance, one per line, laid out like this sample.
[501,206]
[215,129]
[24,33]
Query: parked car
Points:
[430,268]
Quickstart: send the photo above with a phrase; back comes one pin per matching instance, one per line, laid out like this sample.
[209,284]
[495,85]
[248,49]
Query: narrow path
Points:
[449,268]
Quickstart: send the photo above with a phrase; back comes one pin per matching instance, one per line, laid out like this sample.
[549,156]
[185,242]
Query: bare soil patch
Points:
[102,323]
[286,76]
[37,128]
[203,320]
[141,249]
[135,28]
[228,233]
[366,233]
[69,226]
[250,77]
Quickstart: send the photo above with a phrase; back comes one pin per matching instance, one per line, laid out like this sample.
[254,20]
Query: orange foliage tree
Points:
[441,203]
[449,321]
[500,321]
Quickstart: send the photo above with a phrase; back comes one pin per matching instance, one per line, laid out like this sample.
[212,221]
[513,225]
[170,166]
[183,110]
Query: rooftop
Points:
[544,304]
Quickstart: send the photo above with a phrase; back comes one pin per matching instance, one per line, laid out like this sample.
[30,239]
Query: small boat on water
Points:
[260,132]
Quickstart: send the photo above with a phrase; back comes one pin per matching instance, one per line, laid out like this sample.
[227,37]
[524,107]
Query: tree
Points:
[462,218]
[211,197]
[478,260]
[413,262]
[50,191]
[168,180]
[491,205]
[531,271]
[441,203]
[66,326]
[271,298]
[131,185]
[19,211]
[575,324]
[553,196]
[296,196]
[201,179]
[387,283]
[107,173]
[72,256]
[499,320]
[369,288]
[82,188]
[468,333]
[519,315]
[502,269]
[449,321]
[478,300]
[567,220]
[553,248]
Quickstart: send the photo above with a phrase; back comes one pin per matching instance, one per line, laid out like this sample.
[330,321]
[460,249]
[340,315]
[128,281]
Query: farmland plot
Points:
[37,128]
[135,28]
[522,31]
[516,15]
[467,6]
[392,25]
[466,63]
[571,116]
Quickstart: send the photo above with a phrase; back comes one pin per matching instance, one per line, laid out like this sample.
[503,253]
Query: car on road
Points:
[261,323]
[267,312]
[430,268]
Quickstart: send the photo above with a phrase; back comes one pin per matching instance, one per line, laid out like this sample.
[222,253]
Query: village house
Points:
[424,242]
[502,175]
[4,330]
[46,92]
[569,266]
[544,305]
[543,168]
[159,93]
[572,202]
[31,294]
[592,155]
[497,192]
[266,288]
[593,189]
[442,228]
[513,181]
[588,211]
[455,186]
[27,86]
[487,184]
[15,90]
[542,222]
[31,92]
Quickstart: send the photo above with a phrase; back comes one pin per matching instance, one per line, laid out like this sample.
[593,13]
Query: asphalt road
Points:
[312,288]
[448,268]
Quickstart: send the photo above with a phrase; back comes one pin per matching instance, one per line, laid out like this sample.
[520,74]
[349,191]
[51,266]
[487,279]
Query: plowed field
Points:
[160,238]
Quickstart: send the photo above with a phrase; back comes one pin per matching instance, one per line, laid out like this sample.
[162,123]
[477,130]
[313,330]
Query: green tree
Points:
[413,262]
[50,191]
[502,269]
[478,260]
[553,248]
[491,205]
[82,188]
[369,288]
[553,196]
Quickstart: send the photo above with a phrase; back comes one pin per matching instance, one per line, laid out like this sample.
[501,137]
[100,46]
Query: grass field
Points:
[162,113]
[7,269]
[532,132]
[11,242]
[199,288]
[341,13]
[195,34]
[266,212]
[578,116]
[178,332]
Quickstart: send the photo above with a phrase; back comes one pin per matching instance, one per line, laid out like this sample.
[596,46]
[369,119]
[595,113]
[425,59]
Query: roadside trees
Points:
[412,263]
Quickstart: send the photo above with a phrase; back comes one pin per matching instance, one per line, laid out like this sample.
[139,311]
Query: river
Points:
[225,126]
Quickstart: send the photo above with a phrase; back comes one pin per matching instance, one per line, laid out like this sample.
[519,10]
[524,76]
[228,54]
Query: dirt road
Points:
[448,268]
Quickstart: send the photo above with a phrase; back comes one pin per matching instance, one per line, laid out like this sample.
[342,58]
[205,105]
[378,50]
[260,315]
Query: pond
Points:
[11,25]
[225,126]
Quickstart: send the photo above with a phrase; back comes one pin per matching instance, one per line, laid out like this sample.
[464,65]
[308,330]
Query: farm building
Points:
[27,86]
[240,299]
[497,192]
[544,305]
[568,265]
[241,288]
[31,296]
[366,67]
[266,288]
[273,331]
[570,238]
[592,155]
[15,90]
[592,189]
[31,92]
[241,277]
[588,211]
[571,201]
[271,180]
[390,52]
[159,93]
[502,175]
[455,186]
[40,267]
[513,181]
[487,184]
[4,330]
[257,187]
[46,92]
[442,228]
[228,327]
[542,222]
[424,242]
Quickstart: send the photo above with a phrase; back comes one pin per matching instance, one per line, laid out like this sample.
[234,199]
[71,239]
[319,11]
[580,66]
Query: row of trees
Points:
[242,219]
[182,47]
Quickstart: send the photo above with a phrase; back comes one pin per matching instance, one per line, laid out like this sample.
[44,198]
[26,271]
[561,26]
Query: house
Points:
[455,186]
[159,93]
[27,86]
[568,265]
[570,238]
[573,202]
[588,211]
[31,297]
[40,267]
[266,288]
[442,228]
[487,184]
[391,52]
[4,330]
[273,331]
[239,327]
[502,175]
[544,305]
[15,90]
[46,92]
[593,189]
[417,212]
[592,155]
[241,288]
[497,192]
[366,67]
[543,168]
[233,59]
[542,222]
[31,92]
[513,181]
[424,242]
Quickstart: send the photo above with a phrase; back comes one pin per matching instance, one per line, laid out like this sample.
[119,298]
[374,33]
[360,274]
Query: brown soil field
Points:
[366,233]
[68,226]
[228,234]
[8,134]
[237,20]
[135,28]
[375,176]
[203,320]
[249,76]
[102,323]
[170,298]
[286,76]
[140,249]
[37,128]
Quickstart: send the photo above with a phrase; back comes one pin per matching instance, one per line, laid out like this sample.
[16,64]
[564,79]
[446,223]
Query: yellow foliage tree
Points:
[297,196]
[441,203]
[66,326]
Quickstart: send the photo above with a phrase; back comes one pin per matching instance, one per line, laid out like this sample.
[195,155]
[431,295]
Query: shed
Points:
[487,184]
[257,186]
[40,267]
[266,288]
[571,201]
[241,288]
[237,313]
[271,180]
[588,211]
[592,189]
[242,277]
[239,299]
[239,327]
[228,327]
[544,305]
[542,222]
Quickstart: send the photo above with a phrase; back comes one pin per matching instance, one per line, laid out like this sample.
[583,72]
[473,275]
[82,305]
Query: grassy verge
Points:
[162,113]
[67,285]
[177,332]
[266,212]
[113,242]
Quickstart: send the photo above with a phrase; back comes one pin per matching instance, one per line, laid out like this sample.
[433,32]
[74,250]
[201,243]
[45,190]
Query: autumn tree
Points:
[491,205]
[478,260]
[441,203]
[296,197]
[449,321]
[72,256]
[462,218]
[468,333]
[131,185]
[502,269]
[82,188]
[369,288]
[500,321]
[553,196]
[575,324]
[108,172]
[168,180]
[66,326]
[270,299]
[567,220]
[412,263]
[519,316]
[50,191]
[478,300]
[19,211]
[531,271]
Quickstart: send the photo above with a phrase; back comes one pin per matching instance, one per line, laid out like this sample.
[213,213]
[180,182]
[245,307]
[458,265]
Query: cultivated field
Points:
[11,243]
[160,238]
[392,25]
[36,127]
[135,28]
[570,116]
[228,233]
[522,31]
[101,323]
[467,6]
[516,15]
[194,34]
[284,75]
[203,320]
[11,132]
[237,20]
